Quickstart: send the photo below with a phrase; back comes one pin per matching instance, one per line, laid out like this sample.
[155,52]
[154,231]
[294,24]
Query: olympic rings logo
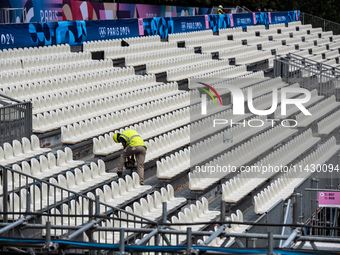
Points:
[102,31]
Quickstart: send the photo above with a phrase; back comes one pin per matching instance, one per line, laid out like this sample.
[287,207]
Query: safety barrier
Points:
[15,119]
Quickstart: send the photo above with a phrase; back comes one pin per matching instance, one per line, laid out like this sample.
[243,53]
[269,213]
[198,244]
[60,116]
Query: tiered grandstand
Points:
[60,191]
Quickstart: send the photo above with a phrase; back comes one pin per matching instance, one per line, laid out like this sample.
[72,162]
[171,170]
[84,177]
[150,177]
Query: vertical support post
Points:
[90,208]
[189,240]
[28,202]
[121,242]
[270,243]
[295,210]
[28,118]
[5,193]
[301,209]
[335,222]
[157,242]
[48,234]
[223,210]
[89,233]
[164,213]
[97,204]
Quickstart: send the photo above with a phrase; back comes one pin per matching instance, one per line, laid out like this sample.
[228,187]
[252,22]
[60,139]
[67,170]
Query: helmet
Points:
[115,137]
[220,6]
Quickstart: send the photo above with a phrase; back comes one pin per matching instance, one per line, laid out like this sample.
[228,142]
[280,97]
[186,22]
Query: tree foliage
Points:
[327,9]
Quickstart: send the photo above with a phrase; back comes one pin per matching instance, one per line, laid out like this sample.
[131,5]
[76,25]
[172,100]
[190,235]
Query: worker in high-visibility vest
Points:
[220,9]
[133,146]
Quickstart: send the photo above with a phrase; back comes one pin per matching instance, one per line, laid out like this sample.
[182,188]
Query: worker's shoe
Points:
[120,174]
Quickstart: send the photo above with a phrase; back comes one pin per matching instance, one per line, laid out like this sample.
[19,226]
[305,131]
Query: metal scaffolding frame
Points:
[98,226]
[13,15]
[309,74]
[15,119]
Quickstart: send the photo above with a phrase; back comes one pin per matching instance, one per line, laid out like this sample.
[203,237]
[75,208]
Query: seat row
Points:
[331,54]
[285,49]
[306,45]
[271,45]
[101,45]
[230,31]
[93,80]
[224,73]
[61,217]
[289,41]
[317,111]
[183,36]
[106,123]
[201,178]
[255,57]
[18,151]
[18,204]
[43,167]
[198,212]
[334,45]
[143,39]
[283,187]
[249,179]
[122,52]
[95,174]
[233,228]
[292,109]
[331,63]
[234,52]
[265,101]
[196,109]
[121,191]
[107,83]
[104,145]
[10,64]
[255,40]
[56,59]
[327,125]
[85,178]
[320,49]
[225,139]
[143,58]
[263,87]
[35,51]
[204,127]
[323,43]
[50,72]
[45,195]
[166,64]
[151,207]
[220,46]
[73,110]
[185,72]
[201,41]
[239,36]
[165,143]
[174,164]
[239,81]
[154,202]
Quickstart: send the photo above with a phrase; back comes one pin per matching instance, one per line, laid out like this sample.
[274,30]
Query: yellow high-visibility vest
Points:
[132,138]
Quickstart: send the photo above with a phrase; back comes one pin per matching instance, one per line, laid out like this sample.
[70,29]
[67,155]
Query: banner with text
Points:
[111,29]
[243,20]
[188,24]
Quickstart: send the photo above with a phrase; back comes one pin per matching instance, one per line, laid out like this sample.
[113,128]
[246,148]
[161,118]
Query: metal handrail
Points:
[74,194]
[316,21]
